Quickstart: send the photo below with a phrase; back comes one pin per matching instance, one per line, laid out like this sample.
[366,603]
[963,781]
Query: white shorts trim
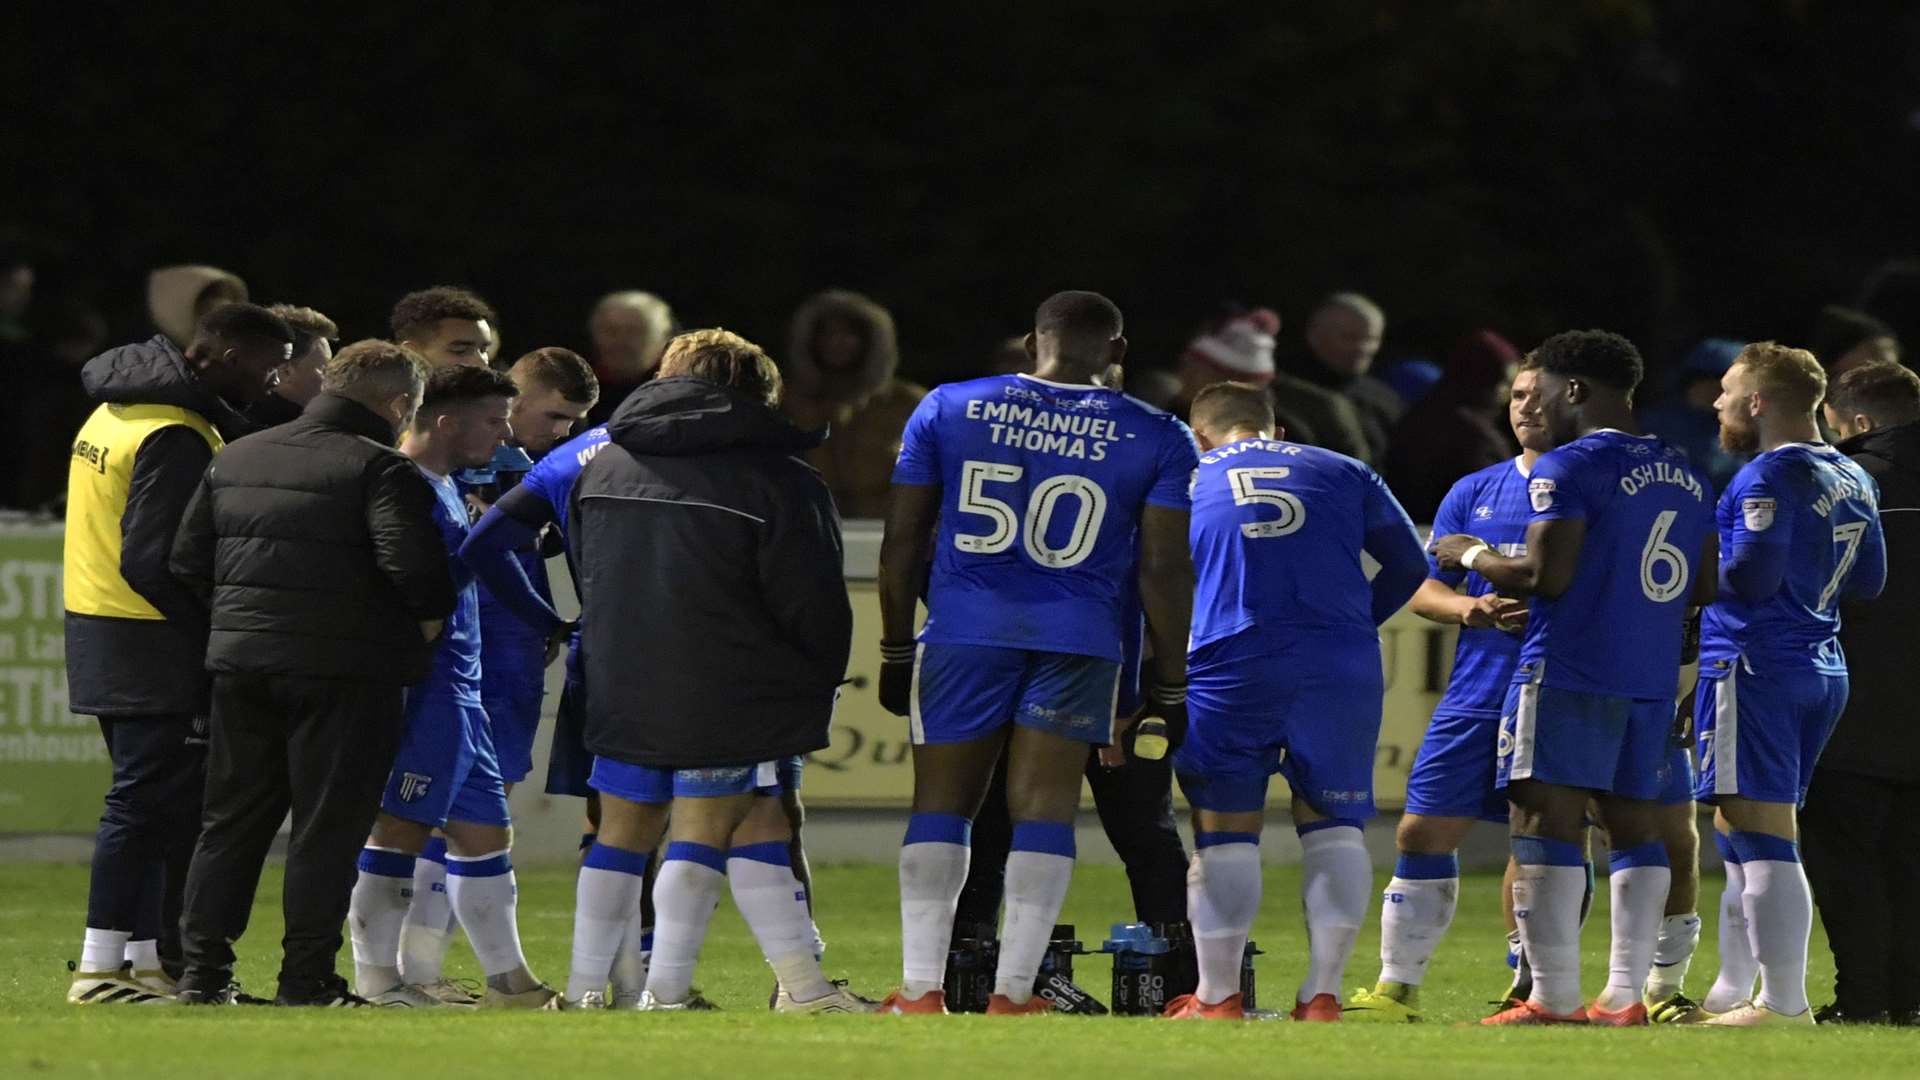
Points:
[1526,727]
[1726,733]
[917,729]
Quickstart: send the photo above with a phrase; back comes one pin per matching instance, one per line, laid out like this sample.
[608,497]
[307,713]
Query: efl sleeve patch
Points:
[1758,514]
[1540,490]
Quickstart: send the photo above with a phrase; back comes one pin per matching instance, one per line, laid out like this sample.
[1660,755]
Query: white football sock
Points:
[1415,912]
[1738,968]
[1546,902]
[1039,869]
[1337,886]
[775,907]
[104,950]
[1638,885]
[1223,895]
[606,903]
[629,974]
[933,870]
[1679,936]
[485,899]
[684,896]
[378,907]
[425,935]
[144,955]
[1779,919]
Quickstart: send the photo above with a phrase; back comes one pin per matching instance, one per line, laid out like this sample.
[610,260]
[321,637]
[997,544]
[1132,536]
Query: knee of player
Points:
[399,834]
[1423,835]
[766,821]
[472,838]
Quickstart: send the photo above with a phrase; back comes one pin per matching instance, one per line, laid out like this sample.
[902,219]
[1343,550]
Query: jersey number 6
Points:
[1659,553]
[1089,499]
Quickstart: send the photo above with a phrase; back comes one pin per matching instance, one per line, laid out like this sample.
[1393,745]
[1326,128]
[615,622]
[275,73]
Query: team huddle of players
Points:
[1067,522]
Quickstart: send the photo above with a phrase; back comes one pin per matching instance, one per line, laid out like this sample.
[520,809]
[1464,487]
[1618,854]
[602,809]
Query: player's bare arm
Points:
[1553,553]
[911,518]
[1436,601]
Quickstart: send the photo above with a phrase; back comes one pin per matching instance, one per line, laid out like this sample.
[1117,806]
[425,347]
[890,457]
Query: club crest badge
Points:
[1758,514]
[1540,491]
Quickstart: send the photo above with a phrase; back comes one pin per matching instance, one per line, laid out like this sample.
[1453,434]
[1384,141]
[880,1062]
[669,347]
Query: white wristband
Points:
[1468,556]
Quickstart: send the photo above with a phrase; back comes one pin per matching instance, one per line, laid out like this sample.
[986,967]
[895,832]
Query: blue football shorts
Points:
[515,715]
[569,762]
[654,785]
[967,692]
[1306,709]
[446,769]
[1761,731]
[1455,769]
[1618,745]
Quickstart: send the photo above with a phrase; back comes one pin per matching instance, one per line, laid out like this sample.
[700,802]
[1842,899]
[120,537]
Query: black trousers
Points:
[1135,802]
[320,748]
[1860,841]
[148,827]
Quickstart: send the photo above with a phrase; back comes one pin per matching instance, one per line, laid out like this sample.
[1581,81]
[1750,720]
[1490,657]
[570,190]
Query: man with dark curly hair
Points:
[445,324]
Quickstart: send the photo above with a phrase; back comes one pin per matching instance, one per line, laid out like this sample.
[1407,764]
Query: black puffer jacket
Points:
[715,622]
[144,667]
[1879,734]
[314,545]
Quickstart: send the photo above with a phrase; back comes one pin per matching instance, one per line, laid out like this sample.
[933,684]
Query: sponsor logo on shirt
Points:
[1482,513]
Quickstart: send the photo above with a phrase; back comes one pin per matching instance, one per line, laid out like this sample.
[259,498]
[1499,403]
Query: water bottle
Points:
[1140,968]
[1246,976]
[970,968]
[1055,981]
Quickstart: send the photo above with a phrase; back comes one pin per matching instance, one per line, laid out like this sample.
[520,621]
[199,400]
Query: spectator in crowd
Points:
[1891,294]
[1343,336]
[1858,831]
[47,402]
[136,639]
[1458,427]
[308,683]
[1238,345]
[702,707]
[445,325]
[1687,420]
[1844,339]
[841,372]
[16,296]
[629,330]
[178,297]
[297,380]
[1412,378]
[1009,357]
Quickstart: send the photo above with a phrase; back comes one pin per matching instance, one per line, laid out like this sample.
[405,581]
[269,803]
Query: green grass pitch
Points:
[40,1035]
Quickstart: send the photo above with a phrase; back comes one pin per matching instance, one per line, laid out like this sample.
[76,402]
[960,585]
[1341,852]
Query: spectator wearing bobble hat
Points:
[1238,345]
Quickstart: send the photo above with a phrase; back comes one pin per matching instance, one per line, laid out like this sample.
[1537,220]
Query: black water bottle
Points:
[1140,968]
[970,968]
[1055,981]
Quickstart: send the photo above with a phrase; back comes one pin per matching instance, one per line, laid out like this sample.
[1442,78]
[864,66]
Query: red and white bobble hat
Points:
[1240,347]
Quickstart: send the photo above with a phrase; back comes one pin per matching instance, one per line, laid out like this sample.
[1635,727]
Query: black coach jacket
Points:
[1879,734]
[715,626]
[313,546]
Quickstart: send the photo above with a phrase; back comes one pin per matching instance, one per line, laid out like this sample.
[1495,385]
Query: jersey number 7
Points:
[1090,502]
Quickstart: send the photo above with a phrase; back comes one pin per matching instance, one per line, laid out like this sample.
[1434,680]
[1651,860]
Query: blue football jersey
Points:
[1617,629]
[1492,505]
[552,476]
[1041,490]
[1820,511]
[1277,533]
[456,659]
[512,650]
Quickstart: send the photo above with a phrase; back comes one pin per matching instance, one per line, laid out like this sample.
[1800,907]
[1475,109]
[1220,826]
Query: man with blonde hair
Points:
[733,671]
[1799,532]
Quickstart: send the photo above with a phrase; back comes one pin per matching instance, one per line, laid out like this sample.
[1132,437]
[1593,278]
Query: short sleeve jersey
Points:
[1819,510]
[456,659]
[1042,485]
[1616,630]
[552,476]
[1492,505]
[1277,533]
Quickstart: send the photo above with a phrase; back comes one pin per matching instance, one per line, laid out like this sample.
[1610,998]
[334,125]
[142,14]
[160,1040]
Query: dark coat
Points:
[314,546]
[715,626]
[147,667]
[1878,734]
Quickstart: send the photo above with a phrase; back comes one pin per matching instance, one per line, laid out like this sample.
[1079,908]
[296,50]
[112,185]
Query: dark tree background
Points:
[1720,166]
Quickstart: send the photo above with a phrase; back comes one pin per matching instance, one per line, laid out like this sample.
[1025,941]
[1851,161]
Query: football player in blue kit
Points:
[1618,549]
[557,388]
[1038,495]
[1799,531]
[1284,676]
[446,775]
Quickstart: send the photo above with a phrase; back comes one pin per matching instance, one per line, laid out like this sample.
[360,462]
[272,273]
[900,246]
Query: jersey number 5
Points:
[1663,567]
[1090,502]
[1246,492]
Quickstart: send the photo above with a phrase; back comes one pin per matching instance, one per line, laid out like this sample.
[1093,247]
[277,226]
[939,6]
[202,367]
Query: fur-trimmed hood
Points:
[173,292]
[805,379]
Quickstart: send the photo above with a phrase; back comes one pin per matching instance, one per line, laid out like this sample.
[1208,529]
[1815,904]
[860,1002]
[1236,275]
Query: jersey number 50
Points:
[1090,502]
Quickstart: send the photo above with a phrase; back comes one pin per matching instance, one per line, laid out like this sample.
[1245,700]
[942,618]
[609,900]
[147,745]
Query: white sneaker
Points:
[1754,1014]
[541,996]
[693,1003]
[629,1000]
[450,992]
[156,979]
[406,996]
[117,987]
[841,1000]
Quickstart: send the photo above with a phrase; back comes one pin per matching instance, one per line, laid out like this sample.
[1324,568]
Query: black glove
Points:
[1683,722]
[1166,703]
[896,678]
